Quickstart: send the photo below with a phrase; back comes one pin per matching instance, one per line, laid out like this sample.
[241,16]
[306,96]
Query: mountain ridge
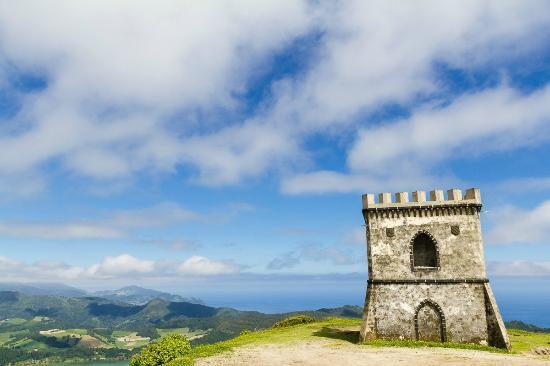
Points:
[139,295]
[132,294]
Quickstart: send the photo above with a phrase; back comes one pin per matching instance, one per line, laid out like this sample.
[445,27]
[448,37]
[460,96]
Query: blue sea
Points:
[519,298]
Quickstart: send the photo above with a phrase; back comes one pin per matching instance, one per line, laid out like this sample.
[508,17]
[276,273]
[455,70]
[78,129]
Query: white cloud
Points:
[121,265]
[356,236]
[125,223]
[197,265]
[131,86]
[286,260]
[118,225]
[519,268]
[228,213]
[517,225]
[117,73]
[328,181]
[238,152]
[313,253]
[520,185]
[401,154]
[332,254]
[162,214]
[175,244]
[15,270]
[68,230]
[124,266]
[494,119]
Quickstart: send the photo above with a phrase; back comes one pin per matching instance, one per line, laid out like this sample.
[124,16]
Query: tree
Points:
[171,350]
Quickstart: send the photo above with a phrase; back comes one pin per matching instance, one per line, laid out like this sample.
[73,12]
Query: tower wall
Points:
[455,287]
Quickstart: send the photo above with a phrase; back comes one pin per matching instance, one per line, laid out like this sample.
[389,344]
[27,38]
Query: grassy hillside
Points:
[343,331]
[136,295]
[95,312]
[347,329]
[38,327]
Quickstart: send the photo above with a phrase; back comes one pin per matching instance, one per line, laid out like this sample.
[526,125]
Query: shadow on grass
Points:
[351,336]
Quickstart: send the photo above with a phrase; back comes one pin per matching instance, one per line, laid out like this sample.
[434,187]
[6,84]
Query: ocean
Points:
[519,298]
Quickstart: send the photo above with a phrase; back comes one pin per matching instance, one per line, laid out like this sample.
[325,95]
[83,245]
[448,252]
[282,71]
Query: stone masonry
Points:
[427,278]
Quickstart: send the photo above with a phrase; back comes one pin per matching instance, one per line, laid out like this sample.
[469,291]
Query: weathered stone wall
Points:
[463,306]
[453,295]
[460,256]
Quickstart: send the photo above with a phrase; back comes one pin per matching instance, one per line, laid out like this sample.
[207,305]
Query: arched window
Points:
[424,251]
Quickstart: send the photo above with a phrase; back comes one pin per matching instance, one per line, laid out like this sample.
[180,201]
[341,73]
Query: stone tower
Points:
[427,278]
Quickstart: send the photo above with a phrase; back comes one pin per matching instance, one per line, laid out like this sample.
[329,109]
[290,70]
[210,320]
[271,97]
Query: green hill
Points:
[92,327]
[334,341]
[139,296]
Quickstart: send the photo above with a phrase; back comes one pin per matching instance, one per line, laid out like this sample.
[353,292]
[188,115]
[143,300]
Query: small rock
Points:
[542,350]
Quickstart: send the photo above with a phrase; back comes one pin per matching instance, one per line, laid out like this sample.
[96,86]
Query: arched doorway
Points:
[429,322]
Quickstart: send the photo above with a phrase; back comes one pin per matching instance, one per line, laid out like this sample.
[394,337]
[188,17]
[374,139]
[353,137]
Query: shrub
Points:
[294,320]
[171,350]
[182,361]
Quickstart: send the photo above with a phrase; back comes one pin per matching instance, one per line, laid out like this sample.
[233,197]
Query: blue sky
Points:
[201,145]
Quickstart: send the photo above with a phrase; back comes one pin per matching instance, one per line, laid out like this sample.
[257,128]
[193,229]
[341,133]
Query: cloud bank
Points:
[108,91]
[124,266]
[515,225]
[117,225]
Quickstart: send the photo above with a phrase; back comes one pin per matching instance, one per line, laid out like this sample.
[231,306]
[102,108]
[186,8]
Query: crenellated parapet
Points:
[418,199]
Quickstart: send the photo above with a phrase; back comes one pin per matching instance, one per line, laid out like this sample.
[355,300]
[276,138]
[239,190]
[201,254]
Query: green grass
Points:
[344,329]
[8,338]
[13,321]
[523,341]
[28,344]
[5,337]
[129,345]
[276,335]
[21,343]
[67,332]
[183,331]
[121,333]
[77,331]
[39,319]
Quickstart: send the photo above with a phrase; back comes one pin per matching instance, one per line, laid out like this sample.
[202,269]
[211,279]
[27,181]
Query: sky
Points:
[219,145]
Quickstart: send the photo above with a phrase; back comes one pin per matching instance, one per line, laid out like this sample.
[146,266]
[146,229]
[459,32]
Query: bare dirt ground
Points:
[330,353]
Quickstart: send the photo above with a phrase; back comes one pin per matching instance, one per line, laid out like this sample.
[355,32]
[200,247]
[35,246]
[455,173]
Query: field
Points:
[129,340]
[33,336]
[523,341]
[190,334]
[30,335]
[64,332]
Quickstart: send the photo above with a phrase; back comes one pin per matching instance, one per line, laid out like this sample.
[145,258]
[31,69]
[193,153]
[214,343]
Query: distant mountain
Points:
[38,327]
[517,324]
[45,289]
[134,295]
[99,313]
[139,296]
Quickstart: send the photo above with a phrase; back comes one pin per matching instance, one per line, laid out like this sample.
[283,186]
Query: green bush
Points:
[171,350]
[294,320]
[182,361]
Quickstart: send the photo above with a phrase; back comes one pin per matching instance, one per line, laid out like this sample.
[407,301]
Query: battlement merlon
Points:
[472,198]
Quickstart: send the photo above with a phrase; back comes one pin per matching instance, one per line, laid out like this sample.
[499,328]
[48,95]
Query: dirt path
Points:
[330,353]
